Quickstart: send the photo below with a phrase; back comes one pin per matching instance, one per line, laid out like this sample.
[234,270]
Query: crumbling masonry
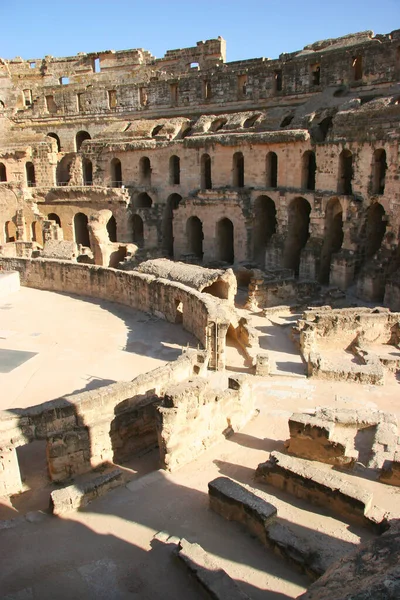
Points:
[289,163]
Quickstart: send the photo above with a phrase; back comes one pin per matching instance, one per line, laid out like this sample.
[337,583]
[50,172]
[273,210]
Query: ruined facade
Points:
[288,164]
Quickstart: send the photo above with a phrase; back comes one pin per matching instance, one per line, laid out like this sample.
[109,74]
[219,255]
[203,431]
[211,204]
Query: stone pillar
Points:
[342,270]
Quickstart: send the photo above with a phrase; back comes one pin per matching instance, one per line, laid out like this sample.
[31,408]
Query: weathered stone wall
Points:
[192,417]
[199,313]
[88,429]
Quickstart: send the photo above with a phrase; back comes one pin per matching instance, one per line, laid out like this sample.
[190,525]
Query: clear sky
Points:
[252,28]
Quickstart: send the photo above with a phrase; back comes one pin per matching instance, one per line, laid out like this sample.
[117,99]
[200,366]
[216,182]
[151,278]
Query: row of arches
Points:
[308,171]
[224,237]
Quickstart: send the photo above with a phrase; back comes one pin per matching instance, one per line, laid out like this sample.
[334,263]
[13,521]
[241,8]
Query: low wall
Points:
[85,430]
[265,293]
[200,314]
[192,417]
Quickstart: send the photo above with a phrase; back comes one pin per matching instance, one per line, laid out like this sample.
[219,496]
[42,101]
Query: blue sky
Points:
[252,28]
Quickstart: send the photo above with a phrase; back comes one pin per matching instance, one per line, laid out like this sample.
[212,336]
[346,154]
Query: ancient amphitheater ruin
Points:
[200,323]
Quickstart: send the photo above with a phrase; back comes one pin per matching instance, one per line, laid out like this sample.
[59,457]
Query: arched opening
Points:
[87,169]
[309,169]
[80,137]
[144,171]
[63,171]
[54,136]
[264,227]
[238,169]
[174,170]
[30,174]
[379,171]
[375,229]
[55,218]
[271,170]
[137,230]
[357,68]
[37,232]
[195,236]
[112,229]
[81,231]
[333,237]
[143,200]
[3,172]
[156,130]
[116,173]
[10,232]
[297,233]
[225,241]
[168,233]
[206,180]
[345,175]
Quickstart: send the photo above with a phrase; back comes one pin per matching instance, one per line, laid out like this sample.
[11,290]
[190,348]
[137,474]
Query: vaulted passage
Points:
[271,170]
[309,169]
[264,227]
[225,241]
[194,236]
[297,233]
[345,175]
[379,171]
[116,173]
[168,224]
[206,179]
[333,237]
[81,231]
[375,229]
[112,229]
[238,170]
[136,226]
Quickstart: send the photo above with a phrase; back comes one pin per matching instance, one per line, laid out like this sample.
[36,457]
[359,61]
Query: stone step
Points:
[80,494]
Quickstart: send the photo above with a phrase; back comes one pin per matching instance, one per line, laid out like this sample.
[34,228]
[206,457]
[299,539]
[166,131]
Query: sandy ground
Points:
[108,550]
[76,344]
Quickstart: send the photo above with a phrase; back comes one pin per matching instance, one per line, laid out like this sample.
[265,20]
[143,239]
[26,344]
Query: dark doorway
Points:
[168,233]
[143,200]
[54,136]
[30,174]
[309,170]
[144,171]
[345,173]
[264,227]
[271,170]
[137,230]
[87,169]
[54,217]
[3,172]
[333,237]
[81,136]
[112,229]
[116,173]
[206,179]
[194,236]
[238,170]
[174,170]
[81,230]
[225,241]
[379,172]
[375,229]
[297,234]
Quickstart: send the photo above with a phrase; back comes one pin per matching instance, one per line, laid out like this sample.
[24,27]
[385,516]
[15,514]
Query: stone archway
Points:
[225,241]
[297,233]
[333,237]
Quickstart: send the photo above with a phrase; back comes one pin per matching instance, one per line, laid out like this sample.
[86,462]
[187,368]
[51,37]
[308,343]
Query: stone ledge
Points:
[390,473]
[235,503]
[322,488]
[211,577]
[78,495]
